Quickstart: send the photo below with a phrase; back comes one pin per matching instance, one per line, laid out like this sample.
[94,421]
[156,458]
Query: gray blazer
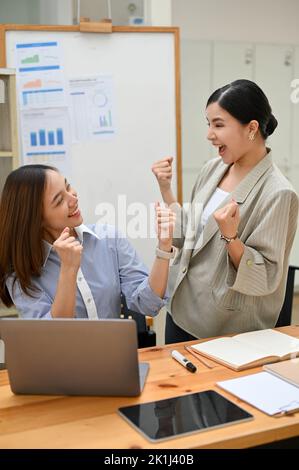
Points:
[209,297]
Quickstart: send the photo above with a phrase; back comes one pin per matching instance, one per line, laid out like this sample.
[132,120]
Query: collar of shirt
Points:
[80,230]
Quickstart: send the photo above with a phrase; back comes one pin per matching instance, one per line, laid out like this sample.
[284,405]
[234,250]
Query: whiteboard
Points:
[144,70]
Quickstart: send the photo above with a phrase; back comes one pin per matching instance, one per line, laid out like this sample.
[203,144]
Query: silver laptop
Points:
[73,357]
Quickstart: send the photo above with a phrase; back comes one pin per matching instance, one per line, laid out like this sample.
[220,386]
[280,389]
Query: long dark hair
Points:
[246,101]
[21,216]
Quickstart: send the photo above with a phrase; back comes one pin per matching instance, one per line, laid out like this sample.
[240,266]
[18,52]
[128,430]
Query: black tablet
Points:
[164,419]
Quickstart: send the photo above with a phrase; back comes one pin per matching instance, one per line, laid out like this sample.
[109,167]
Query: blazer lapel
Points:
[201,200]
[248,184]
[208,189]
[209,230]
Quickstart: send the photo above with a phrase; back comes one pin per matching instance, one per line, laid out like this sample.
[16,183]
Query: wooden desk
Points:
[93,422]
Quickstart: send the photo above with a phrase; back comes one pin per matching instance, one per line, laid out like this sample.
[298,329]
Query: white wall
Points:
[98,9]
[37,11]
[57,11]
[160,12]
[156,12]
[16,11]
[94,9]
[273,21]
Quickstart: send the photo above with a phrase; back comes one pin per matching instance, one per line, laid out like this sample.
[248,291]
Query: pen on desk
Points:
[183,360]
[200,359]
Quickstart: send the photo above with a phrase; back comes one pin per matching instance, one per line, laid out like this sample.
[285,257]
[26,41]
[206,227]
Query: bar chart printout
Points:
[46,137]
[42,138]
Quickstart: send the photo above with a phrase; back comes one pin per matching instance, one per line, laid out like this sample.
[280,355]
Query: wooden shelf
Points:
[7,71]
[9,159]
[4,153]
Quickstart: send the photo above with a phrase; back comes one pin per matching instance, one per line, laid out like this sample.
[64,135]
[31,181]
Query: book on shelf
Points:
[251,349]
[286,370]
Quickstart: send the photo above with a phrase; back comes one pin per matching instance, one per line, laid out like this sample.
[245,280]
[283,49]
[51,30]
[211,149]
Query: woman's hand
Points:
[69,250]
[228,219]
[163,172]
[165,222]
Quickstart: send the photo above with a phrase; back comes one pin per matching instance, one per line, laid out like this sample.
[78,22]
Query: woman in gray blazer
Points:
[229,274]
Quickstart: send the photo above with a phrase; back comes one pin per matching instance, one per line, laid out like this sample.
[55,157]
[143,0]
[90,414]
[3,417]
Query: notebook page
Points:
[273,343]
[229,350]
[264,391]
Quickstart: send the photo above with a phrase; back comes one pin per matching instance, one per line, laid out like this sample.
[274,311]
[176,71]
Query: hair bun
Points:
[271,126]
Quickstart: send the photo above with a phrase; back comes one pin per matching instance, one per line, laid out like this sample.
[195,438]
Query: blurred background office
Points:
[221,40]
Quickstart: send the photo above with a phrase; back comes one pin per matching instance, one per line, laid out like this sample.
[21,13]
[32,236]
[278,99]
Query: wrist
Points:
[228,239]
[167,247]
[70,271]
[167,195]
[165,188]
[165,254]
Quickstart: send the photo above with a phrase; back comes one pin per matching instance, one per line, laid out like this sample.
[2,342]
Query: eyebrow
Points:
[216,119]
[58,194]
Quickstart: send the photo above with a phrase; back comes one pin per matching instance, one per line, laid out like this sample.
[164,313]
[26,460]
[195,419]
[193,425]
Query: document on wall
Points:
[92,108]
[40,76]
[46,138]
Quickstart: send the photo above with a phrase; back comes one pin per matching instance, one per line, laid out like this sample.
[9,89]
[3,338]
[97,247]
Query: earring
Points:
[251,136]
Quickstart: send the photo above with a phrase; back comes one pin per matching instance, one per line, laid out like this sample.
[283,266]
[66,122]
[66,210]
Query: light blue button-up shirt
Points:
[110,266]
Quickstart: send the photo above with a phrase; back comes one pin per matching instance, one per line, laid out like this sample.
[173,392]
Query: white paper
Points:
[271,342]
[46,138]
[264,391]
[92,108]
[230,351]
[40,75]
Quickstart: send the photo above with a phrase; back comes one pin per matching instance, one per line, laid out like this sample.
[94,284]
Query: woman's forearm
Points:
[159,276]
[65,299]
[235,250]
[168,197]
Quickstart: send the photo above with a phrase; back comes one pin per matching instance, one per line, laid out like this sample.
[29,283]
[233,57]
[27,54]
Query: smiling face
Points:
[60,206]
[228,134]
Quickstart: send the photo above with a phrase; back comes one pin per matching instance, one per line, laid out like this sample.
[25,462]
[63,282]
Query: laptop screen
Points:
[72,356]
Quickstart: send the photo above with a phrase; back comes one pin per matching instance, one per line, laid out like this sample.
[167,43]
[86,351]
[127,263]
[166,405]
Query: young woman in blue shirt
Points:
[53,266]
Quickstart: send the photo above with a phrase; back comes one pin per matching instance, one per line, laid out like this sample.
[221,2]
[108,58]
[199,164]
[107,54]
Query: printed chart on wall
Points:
[43,102]
[92,109]
[45,133]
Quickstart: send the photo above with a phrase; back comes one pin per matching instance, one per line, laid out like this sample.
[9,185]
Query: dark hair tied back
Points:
[271,126]
[246,102]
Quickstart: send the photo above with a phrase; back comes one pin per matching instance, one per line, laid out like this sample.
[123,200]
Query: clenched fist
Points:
[228,219]
[69,250]
[163,172]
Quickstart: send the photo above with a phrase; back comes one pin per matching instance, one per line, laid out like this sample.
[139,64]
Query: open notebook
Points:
[250,349]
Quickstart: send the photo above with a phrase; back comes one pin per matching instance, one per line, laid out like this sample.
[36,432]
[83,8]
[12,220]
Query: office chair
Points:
[146,336]
[285,315]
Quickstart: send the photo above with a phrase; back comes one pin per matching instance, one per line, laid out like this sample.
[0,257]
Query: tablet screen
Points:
[184,414]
